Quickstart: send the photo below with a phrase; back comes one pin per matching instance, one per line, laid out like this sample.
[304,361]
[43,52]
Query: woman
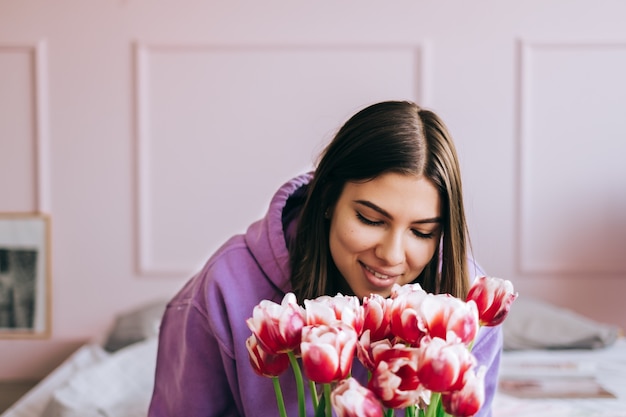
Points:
[384,206]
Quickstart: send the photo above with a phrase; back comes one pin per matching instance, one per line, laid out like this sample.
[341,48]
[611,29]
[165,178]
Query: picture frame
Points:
[25,281]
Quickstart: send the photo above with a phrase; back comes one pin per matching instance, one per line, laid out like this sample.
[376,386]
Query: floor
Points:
[11,391]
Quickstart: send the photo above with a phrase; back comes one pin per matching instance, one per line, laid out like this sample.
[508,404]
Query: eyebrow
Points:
[389,216]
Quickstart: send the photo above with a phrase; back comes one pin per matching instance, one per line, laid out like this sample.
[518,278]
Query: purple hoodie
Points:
[203,368]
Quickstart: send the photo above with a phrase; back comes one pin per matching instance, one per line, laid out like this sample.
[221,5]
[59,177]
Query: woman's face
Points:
[384,231]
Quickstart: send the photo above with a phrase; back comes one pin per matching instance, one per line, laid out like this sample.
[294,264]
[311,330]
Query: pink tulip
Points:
[263,363]
[446,317]
[406,317]
[468,400]
[398,289]
[351,399]
[364,351]
[494,297]
[328,352]
[442,365]
[278,327]
[394,380]
[384,351]
[328,310]
[377,316]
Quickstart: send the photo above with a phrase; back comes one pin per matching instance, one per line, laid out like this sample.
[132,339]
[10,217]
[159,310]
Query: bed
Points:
[556,363]
[563,383]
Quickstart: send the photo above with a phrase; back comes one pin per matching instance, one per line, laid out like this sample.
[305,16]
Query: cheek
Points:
[351,238]
[421,252]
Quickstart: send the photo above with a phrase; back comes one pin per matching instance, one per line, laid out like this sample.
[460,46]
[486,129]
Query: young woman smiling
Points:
[384,206]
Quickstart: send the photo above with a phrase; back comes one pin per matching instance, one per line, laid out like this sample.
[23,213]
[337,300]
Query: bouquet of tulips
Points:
[416,347]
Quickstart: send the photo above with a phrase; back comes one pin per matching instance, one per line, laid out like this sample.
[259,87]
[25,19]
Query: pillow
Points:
[120,386]
[135,326]
[534,324]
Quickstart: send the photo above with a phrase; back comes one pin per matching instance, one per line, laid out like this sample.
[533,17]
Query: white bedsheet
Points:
[606,365]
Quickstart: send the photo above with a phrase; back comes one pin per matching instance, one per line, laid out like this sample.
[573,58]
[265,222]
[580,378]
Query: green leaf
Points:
[440,410]
[320,411]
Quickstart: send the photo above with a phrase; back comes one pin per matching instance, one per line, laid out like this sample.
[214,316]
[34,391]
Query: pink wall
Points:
[151,131]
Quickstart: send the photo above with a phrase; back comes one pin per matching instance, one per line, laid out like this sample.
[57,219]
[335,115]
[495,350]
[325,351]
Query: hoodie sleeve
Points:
[192,370]
[487,350]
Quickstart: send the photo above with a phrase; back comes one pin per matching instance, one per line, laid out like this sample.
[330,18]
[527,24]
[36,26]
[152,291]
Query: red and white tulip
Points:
[263,363]
[493,297]
[377,317]
[407,321]
[328,352]
[351,399]
[394,380]
[449,318]
[468,400]
[329,310]
[442,365]
[278,327]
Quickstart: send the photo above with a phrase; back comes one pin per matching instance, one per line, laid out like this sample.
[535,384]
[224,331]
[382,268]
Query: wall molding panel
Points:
[242,77]
[568,92]
[26,124]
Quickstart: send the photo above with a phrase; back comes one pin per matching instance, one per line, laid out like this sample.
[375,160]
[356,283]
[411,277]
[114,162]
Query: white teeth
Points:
[376,274]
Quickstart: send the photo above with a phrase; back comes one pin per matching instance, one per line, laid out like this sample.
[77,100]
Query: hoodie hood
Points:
[267,238]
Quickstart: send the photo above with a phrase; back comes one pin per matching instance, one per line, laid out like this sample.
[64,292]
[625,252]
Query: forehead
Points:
[401,195]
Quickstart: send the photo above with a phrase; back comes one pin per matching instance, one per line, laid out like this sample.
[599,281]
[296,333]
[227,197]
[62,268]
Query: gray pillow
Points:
[135,326]
[535,324]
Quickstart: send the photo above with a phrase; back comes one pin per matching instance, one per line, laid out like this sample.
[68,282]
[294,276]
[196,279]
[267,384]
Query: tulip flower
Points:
[370,353]
[384,351]
[442,365]
[351,399]
[263,363]
[394,380]
[468,400]
[328,352]
[407,321]
[278,327]
[364,351]
[494,297]
[328,310]
[398,290]
[447,317]
[377,317]
[416,347]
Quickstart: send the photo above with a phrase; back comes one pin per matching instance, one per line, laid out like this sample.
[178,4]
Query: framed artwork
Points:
[25,292]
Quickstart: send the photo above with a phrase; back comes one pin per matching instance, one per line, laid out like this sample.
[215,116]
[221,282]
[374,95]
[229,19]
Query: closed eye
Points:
[367,221]
[421,235]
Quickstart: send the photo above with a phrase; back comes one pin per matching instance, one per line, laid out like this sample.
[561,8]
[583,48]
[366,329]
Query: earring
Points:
[327,214]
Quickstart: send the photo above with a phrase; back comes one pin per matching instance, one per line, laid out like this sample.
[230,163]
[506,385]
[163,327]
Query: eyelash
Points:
[369,222]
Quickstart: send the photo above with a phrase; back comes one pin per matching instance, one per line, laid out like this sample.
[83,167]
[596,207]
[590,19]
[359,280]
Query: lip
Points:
[378,278]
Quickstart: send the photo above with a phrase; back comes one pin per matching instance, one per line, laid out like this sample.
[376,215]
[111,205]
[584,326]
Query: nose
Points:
[391,249]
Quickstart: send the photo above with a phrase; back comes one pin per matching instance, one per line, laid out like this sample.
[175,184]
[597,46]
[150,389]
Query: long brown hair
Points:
[391,136]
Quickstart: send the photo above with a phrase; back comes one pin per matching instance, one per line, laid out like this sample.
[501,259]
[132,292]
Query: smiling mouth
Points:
[378,274]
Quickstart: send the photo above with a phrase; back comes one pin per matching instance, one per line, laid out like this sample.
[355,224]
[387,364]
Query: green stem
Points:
[329,408]
[389,412]
[299,384]
[431,411]
[313,390]
[279,397]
